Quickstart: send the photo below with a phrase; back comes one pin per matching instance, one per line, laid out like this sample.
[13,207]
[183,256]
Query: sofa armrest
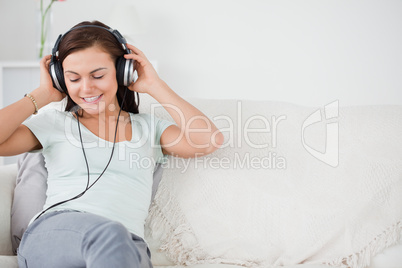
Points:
[8,175]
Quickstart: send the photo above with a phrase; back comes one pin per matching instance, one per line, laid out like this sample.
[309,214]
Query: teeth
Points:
[91,99]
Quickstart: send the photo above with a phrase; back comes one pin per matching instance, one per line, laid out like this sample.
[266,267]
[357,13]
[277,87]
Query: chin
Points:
[93,109]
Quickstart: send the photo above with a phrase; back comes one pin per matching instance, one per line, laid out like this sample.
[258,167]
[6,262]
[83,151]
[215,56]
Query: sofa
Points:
[292,186]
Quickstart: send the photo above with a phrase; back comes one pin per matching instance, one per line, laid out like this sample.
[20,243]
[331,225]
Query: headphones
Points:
[124,67]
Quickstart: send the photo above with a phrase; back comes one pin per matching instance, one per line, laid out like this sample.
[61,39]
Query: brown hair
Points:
[82,38]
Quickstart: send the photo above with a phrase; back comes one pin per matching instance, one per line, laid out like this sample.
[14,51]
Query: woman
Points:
[97,200]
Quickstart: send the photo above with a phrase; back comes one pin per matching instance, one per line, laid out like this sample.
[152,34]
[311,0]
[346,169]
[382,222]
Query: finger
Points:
[44,70]
[132,56]
[46,58]
[132,87]
[45,61]
[134,49]
[140,59]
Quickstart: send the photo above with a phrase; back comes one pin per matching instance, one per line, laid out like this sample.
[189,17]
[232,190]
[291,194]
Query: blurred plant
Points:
[44,12]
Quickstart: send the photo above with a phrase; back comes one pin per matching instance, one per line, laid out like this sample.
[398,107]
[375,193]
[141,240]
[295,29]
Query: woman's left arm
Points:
[195,134]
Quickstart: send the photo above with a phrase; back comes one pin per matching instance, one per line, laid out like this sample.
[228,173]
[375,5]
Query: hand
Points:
[47,91]
[148,78]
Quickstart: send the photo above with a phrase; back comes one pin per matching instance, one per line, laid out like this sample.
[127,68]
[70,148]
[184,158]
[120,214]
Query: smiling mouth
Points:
[93,99]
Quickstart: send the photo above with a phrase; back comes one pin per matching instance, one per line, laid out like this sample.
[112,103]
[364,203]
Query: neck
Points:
[108,113]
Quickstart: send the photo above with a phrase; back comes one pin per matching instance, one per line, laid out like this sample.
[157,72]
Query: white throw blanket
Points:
[288,203]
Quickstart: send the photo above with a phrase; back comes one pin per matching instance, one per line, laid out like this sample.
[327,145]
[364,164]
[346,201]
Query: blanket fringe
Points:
[179,243]
[362,259]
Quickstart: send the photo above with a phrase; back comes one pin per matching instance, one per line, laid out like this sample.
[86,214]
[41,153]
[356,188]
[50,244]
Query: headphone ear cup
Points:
[60,76]
[120,70]
[56,73]
[124,71]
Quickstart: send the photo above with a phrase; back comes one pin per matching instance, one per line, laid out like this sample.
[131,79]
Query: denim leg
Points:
[77,239]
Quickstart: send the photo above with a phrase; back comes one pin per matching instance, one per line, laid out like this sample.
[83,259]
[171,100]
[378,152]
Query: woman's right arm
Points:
[16,138]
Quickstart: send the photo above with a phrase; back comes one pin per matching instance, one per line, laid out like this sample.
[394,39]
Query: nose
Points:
[87,85]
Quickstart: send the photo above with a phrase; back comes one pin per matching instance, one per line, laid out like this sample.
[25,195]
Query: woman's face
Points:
[90,77]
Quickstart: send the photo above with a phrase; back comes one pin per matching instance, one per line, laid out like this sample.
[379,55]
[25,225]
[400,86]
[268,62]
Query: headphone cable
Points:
[87,187]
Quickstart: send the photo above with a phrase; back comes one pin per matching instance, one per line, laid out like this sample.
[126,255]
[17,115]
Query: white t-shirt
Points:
[123,193]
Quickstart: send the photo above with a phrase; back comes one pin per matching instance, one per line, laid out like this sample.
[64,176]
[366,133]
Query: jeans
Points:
[79,239]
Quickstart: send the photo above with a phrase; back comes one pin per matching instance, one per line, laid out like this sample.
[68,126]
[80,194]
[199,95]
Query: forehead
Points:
[88,59]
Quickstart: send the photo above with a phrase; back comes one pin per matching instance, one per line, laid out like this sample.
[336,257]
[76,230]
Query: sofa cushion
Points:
[8,174]
[29,194]
[286,203]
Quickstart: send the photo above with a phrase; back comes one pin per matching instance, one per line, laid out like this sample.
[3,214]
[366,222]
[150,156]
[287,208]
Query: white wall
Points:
[308,52]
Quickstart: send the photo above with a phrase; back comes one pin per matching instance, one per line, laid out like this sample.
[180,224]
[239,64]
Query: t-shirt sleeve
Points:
[41,125]
[159,126]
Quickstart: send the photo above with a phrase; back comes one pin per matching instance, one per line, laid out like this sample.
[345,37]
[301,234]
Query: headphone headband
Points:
[115,33]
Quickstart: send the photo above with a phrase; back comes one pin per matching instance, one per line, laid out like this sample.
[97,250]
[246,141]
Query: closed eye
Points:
[98,77]
[74,80]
